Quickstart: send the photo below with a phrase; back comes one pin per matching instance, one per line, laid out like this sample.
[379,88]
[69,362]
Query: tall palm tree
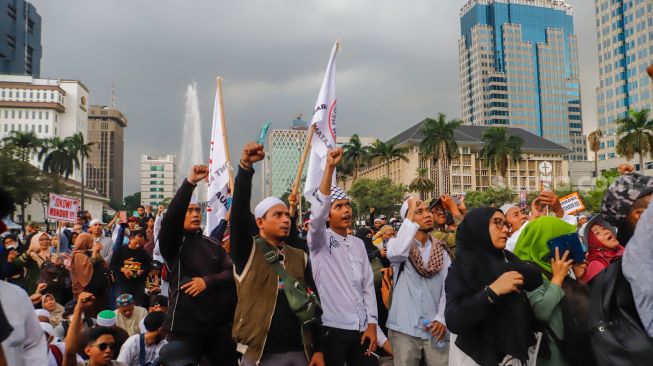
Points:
[422,184]
[635,135]
[438,142]
[356,153]
[58,156]
[387,151]
[595,145]
[500,148]
[83,151]
[25,143]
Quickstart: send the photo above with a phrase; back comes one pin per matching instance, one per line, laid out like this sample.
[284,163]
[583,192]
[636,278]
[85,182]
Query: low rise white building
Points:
[158,178]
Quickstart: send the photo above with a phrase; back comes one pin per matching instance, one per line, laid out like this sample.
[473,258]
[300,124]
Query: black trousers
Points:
[344,346]
[215,348]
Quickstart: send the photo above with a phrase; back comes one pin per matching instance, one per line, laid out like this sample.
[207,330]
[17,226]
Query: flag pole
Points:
[307,146]
[225,141]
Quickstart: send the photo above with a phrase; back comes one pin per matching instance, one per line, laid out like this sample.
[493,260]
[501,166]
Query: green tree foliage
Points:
[496,196]
[356,155]
[381,194]
[635,135]
[594,197]
[132,202]
[422,184]
[19,178]
[386,151]
[23,144]
[81,150]
[59,156]
[499,149]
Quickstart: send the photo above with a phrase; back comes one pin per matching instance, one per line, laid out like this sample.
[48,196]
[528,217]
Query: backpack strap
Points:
[141,349]
[56,352]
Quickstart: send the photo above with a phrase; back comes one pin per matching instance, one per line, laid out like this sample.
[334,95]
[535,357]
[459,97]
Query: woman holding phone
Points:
[540,245]
[487,311]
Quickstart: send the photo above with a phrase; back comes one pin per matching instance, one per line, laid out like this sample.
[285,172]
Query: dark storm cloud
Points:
[399,62]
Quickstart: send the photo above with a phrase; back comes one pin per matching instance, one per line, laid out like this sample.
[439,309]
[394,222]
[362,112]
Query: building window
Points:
[11,41]
[46,128]
[11,11]
[30,26]
[40,126]
[611,143]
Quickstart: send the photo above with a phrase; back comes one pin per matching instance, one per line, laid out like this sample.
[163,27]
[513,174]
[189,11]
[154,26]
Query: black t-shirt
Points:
[285,332]
[133,259]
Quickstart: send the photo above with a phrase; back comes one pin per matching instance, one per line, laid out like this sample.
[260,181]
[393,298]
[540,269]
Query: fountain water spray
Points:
[191,144]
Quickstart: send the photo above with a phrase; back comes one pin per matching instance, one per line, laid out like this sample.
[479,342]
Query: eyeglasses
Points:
[45,238]
[438,211]
[500,223]
[103,346]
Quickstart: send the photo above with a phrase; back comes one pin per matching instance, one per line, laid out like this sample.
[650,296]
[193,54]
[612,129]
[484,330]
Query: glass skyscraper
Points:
[519,67]
[624,31]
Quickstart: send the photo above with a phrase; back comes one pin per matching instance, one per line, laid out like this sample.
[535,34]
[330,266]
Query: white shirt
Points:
[131,350]
[342,272]
[512,240]
[26,345]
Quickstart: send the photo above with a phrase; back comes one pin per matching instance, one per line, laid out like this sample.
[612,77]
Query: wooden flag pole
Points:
[307,148]
[225,140]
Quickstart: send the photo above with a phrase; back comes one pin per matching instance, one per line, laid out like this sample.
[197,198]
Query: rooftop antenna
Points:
[113,95]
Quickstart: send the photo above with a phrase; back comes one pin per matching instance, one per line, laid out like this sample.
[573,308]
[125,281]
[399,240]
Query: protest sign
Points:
[63,208]
[572,204]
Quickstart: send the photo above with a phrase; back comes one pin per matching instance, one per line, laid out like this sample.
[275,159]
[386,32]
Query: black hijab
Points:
[510,327]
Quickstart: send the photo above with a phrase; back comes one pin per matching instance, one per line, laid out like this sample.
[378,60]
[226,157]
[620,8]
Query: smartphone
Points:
[570,242]
[123,217]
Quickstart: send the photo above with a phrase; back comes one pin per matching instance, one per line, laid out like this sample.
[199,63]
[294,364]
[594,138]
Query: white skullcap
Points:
[193,200]
[47,328]
[404,209]
[507,207]
[264,206]
[95,221]
[42,312]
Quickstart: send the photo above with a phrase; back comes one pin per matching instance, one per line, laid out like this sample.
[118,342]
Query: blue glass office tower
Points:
[624,31]
[519,67]
[20,38]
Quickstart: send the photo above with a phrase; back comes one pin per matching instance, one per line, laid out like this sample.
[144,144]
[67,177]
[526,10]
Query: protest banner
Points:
[572,204]
[63,208]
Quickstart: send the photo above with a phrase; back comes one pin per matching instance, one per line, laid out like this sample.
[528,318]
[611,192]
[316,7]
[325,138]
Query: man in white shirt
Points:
[26,344]
[416,319]
[343,275]
[518,219]
[152,340]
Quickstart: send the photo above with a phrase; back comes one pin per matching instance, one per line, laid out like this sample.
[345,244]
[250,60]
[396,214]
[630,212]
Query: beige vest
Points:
[257,296]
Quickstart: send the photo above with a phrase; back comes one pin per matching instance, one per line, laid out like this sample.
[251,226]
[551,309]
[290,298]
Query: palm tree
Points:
[438,142]
[500,148]
[83,151]
[421,184]
[25,143]
[595,145]
[387,151]
[635,136]
[356,153]
[58,156]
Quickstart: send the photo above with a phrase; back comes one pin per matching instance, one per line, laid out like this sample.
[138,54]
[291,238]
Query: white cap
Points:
[47,328]
[507,207]
[42,312]
[95,221]
[264,206]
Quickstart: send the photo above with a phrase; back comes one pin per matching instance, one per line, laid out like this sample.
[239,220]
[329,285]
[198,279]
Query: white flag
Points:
[218,172]
[324,119]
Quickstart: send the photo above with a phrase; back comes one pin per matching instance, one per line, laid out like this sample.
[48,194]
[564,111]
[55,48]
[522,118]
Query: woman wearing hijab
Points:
[49,303]
[603,247]
[487,310]
[86,259]
[546,300]
[381,238]
[32,260]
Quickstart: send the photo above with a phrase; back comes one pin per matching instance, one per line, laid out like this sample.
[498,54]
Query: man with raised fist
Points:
[202,289]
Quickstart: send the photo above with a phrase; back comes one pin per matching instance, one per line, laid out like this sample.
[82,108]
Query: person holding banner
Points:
[203,297]
[343,274]
[267,329]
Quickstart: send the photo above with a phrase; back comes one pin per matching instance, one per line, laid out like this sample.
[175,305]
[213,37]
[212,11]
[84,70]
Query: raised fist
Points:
[334,156]
[197,173]
[252,153]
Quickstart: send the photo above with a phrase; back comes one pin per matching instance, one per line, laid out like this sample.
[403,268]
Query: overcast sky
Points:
[398,63]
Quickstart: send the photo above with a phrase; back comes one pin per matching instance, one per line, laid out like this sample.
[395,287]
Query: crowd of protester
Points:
[437,284]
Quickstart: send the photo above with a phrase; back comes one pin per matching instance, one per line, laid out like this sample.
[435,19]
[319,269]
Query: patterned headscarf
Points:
[338,194]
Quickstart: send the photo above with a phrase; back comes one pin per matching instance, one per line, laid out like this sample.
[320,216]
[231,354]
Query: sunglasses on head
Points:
[103,346]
